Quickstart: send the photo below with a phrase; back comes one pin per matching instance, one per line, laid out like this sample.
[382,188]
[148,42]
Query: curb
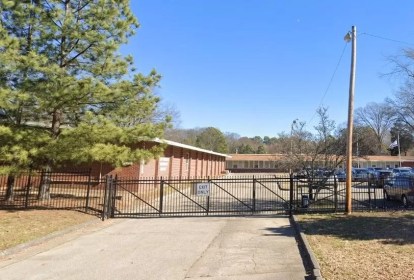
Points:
[316,270]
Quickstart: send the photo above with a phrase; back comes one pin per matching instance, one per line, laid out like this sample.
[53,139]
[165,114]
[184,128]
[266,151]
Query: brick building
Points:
[177,161]
[277,162]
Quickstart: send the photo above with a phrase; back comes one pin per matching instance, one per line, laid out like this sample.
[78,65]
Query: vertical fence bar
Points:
[88,190]
[208,197]
[369,192]
[208,204]
[29,183]
[105,202]
[290,194]
[113,196]
[335,194]
[161,195]
[254,195]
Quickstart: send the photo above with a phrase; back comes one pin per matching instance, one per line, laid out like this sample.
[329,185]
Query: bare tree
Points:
[318,155]
[232,141]
[379,117]
[325,129]
[403,101]
[403,105]
[313,151]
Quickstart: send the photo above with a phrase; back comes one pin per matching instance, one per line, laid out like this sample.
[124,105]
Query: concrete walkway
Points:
[216,248]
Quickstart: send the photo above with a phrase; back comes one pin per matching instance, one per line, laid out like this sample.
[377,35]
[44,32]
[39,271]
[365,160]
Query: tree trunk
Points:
[10,188]
[44,189]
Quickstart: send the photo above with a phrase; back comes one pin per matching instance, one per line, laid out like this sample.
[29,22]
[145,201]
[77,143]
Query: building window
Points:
[163,164]
[234,165]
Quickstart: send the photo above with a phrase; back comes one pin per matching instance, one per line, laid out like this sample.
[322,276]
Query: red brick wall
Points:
[176,162]
[172,164]
[198,164]
[148,169]
[193,164]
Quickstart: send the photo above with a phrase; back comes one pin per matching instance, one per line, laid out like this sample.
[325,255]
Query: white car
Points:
[400,187]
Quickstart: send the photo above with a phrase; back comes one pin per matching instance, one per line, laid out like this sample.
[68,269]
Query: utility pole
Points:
[348,206]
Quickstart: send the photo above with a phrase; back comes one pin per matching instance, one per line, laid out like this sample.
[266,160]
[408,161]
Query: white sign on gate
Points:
[202,189]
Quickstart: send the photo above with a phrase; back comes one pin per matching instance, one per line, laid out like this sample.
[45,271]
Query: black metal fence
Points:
[75,190]
[238,194]
[198,196]
[232,194]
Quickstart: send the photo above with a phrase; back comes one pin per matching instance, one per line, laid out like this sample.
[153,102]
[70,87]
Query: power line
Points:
[331,80]
[342,54]
[386,39]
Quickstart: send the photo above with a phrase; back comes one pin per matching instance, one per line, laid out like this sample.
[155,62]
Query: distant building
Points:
[277,162]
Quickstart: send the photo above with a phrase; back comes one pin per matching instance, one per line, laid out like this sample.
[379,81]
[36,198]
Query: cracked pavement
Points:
[216,248]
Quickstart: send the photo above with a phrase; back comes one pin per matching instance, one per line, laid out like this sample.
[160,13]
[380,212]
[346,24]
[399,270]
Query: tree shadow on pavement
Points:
[278,231]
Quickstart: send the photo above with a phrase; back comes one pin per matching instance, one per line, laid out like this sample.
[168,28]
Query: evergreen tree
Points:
[245,149]
[66,95]
[212,139]
[261,150]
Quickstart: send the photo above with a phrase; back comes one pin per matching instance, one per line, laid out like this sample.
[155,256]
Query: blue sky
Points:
[252,67]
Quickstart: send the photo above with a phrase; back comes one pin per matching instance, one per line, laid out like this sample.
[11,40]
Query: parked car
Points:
[400,170]
[361,175]
[400,187]
[382,177]
[340,175]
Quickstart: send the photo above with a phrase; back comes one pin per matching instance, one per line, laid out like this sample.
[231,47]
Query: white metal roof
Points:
[176,144]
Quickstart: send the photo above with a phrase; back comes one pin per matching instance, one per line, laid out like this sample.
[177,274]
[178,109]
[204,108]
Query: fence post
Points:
[290,194]
[208,197]
[109,199]
[161,195]
[369,191]
[88,191]
[113,196]
[375,195]
[254,195]
[105,202]
[29,184]
[335,194]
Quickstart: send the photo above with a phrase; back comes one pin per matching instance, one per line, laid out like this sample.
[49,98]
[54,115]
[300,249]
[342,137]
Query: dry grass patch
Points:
[362,245]
[17,227]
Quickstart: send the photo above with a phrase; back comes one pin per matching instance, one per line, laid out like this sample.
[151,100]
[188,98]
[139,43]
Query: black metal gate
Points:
[180,197]
[235,195]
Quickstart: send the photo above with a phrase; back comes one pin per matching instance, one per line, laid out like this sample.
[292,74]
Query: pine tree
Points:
[66,95]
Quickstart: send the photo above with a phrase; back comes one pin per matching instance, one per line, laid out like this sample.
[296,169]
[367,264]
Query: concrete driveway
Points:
[213,248]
